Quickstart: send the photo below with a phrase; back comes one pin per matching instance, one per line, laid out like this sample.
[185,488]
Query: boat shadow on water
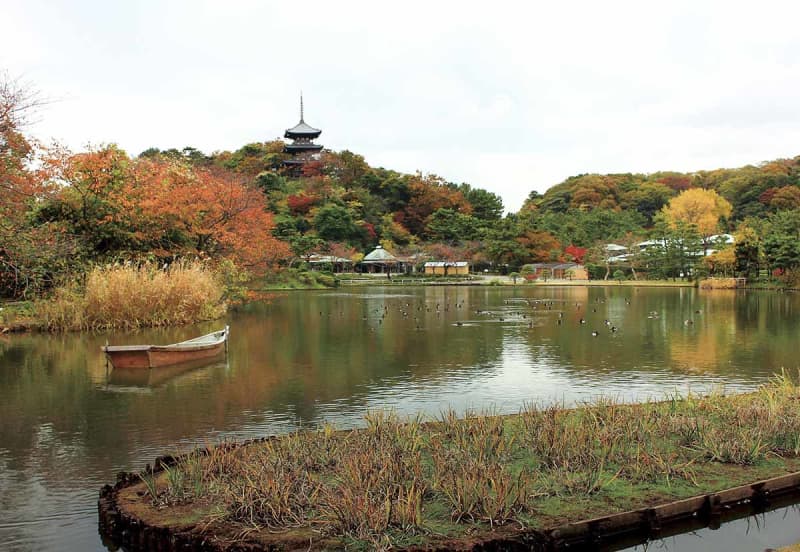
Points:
[151,378]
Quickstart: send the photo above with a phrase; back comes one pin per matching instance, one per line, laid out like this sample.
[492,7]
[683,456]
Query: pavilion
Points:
[380,260]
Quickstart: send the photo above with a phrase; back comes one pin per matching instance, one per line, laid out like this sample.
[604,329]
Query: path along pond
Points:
[68,424]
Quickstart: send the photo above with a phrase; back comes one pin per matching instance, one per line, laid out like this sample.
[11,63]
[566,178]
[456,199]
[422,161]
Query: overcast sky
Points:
[507,96]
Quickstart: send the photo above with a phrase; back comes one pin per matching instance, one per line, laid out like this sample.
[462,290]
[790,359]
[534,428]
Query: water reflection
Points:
[764,531]
[68,425]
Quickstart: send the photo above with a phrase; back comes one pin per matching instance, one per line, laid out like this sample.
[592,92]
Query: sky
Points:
[507,96]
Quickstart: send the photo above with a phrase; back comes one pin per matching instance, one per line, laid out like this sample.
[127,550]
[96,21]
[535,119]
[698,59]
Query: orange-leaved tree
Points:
[428,194]
[33,254]
[214,211]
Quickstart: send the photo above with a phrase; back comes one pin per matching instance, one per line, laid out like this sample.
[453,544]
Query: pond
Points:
[68,424]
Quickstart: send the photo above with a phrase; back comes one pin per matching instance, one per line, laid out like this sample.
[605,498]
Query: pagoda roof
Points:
[302,129]
[303,147]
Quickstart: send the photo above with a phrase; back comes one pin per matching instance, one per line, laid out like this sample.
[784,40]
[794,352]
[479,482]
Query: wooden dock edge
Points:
[632,527]
[707,510]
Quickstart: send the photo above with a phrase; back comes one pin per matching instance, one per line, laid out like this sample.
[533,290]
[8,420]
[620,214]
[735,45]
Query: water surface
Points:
[68,424]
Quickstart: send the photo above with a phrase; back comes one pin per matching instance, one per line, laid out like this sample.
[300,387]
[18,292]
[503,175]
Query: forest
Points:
[62,212]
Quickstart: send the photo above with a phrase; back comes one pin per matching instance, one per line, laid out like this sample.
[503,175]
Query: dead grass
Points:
[128,297]
[718,283]
[398,481]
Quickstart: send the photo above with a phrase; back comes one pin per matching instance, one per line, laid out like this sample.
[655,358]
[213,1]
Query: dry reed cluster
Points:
[395,481]
[128,297]
[718,283]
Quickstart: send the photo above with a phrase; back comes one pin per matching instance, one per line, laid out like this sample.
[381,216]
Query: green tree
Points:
[451,226]
[647,199]
[270,182]
[747,251]
[782,242]
[501,244]
[303,245]
[675,249]
[486,205]
[335,223]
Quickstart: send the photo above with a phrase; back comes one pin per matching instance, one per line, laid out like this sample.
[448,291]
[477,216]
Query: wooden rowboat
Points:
[153,356]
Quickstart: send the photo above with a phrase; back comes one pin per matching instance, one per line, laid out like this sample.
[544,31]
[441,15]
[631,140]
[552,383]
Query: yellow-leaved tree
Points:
[698,207]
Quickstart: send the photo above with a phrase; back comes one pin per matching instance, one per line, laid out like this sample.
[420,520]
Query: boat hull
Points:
[157,357]
[130,357]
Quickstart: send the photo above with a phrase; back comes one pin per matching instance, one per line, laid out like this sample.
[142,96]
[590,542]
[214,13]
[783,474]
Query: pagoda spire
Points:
[301,106]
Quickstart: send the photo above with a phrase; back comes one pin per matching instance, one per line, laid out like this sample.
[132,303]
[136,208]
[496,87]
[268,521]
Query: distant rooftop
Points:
[302,129]
[380,255]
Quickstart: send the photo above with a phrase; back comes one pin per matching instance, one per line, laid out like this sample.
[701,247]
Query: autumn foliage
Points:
[164,207]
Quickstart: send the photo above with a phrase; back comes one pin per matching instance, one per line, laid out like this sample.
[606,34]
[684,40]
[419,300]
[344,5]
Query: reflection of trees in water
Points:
[330,345]
[286,359]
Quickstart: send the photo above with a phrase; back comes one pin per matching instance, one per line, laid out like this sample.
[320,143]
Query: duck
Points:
[595,333]
[582,321]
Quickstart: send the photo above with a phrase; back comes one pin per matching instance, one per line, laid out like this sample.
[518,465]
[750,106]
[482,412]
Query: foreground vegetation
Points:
[401,482]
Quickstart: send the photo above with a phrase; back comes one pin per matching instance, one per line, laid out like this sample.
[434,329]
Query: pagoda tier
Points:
[302,136]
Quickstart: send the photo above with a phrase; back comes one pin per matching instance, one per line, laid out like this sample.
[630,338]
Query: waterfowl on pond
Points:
[595,333]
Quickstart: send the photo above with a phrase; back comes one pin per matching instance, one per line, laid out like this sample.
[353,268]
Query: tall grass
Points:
[129,297]
[395,480]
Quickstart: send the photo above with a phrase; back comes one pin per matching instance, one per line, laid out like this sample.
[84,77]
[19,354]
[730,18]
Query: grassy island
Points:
[453,482]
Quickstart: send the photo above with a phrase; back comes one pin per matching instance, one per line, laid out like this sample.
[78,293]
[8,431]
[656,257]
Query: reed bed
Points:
[400,481]
[718,283]
[130,297]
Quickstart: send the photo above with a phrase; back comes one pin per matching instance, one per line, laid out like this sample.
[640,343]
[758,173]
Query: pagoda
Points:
[302,148]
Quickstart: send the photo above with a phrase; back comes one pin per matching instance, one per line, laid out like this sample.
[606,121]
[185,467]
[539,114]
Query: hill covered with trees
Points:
[64,211]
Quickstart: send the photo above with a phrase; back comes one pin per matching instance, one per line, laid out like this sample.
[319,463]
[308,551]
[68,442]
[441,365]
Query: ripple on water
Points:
[65,430]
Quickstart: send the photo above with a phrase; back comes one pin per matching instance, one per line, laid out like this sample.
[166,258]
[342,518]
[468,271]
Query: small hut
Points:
[380,260]
[556,271]
[447,268]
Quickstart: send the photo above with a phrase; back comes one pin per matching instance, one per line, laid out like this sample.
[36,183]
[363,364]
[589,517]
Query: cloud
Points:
[510,96]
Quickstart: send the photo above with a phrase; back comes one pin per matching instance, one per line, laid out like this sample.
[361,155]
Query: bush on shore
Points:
[129,297]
